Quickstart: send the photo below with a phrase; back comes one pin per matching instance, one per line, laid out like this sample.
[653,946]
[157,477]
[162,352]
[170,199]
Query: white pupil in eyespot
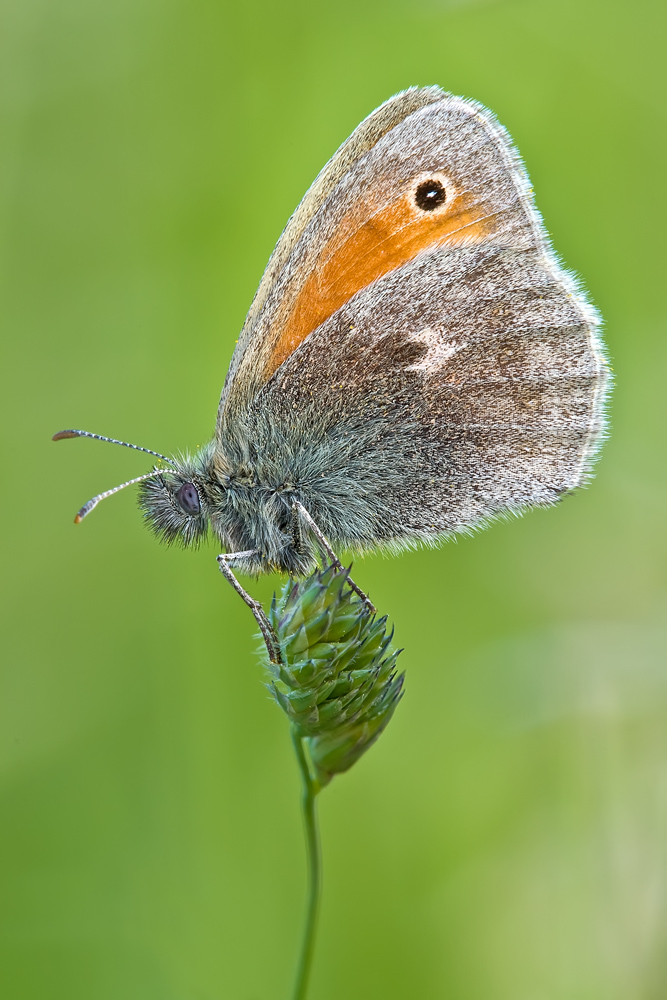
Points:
[430,195]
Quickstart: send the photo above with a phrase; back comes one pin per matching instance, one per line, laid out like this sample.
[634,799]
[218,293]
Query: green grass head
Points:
[338,683]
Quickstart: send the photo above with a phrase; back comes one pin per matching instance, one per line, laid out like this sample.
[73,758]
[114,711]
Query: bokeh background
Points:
[507,838]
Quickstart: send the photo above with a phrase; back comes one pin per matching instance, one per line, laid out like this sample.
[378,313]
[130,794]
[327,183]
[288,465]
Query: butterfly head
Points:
[176,502]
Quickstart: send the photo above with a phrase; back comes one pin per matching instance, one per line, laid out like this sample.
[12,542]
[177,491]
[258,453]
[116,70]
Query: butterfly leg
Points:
[300,512]
[268,633]
[297,534]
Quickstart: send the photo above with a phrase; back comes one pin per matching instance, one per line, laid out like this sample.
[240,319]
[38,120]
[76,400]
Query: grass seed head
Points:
[338,684]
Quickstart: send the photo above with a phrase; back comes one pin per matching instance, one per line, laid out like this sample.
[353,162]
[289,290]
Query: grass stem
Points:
[309,806]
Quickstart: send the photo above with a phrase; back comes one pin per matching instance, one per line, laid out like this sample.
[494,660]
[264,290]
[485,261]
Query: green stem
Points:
[309,806]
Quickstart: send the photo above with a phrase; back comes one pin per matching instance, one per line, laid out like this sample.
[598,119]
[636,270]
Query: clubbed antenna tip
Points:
[62,435]
[87,507]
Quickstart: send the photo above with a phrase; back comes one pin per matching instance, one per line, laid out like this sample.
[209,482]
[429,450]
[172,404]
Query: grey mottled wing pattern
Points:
[484,396]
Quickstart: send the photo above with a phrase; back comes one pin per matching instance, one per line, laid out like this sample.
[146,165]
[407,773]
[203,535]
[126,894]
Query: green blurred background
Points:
[507,838]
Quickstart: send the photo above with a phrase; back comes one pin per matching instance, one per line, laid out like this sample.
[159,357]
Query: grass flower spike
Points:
[338,685]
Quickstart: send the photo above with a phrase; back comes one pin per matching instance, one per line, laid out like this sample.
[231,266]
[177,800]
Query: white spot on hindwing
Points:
[438,349]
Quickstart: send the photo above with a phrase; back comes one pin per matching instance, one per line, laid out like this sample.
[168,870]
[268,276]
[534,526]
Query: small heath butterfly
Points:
[415,361]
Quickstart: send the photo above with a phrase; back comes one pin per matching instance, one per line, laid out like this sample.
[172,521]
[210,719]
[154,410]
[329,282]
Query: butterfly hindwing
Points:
[485,397]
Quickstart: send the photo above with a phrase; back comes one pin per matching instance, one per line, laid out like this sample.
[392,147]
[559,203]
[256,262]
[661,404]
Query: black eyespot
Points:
[188,499]
[429,195]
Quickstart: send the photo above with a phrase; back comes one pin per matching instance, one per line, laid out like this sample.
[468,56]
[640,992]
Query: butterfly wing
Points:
[288,264]
[360,218]
[429,362]
[482,397]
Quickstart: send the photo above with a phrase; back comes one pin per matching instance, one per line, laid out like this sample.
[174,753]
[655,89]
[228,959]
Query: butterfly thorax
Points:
[243,487]
[262,462]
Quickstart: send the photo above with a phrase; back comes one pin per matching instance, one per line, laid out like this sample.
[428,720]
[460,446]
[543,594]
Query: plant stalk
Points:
[309,807]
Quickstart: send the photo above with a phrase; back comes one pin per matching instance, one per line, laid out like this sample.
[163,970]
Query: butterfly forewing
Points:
[371,223]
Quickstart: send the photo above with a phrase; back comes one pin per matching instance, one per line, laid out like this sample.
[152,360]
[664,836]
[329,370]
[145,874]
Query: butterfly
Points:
[415,361]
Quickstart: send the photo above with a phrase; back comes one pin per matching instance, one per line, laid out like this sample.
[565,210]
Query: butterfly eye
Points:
[188,499]
[430,195]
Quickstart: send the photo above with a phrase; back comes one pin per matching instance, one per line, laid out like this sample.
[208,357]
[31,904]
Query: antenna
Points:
[87,507]
[61,435]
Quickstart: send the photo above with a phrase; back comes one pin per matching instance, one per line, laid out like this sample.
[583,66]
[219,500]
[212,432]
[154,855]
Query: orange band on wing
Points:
[359,255]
